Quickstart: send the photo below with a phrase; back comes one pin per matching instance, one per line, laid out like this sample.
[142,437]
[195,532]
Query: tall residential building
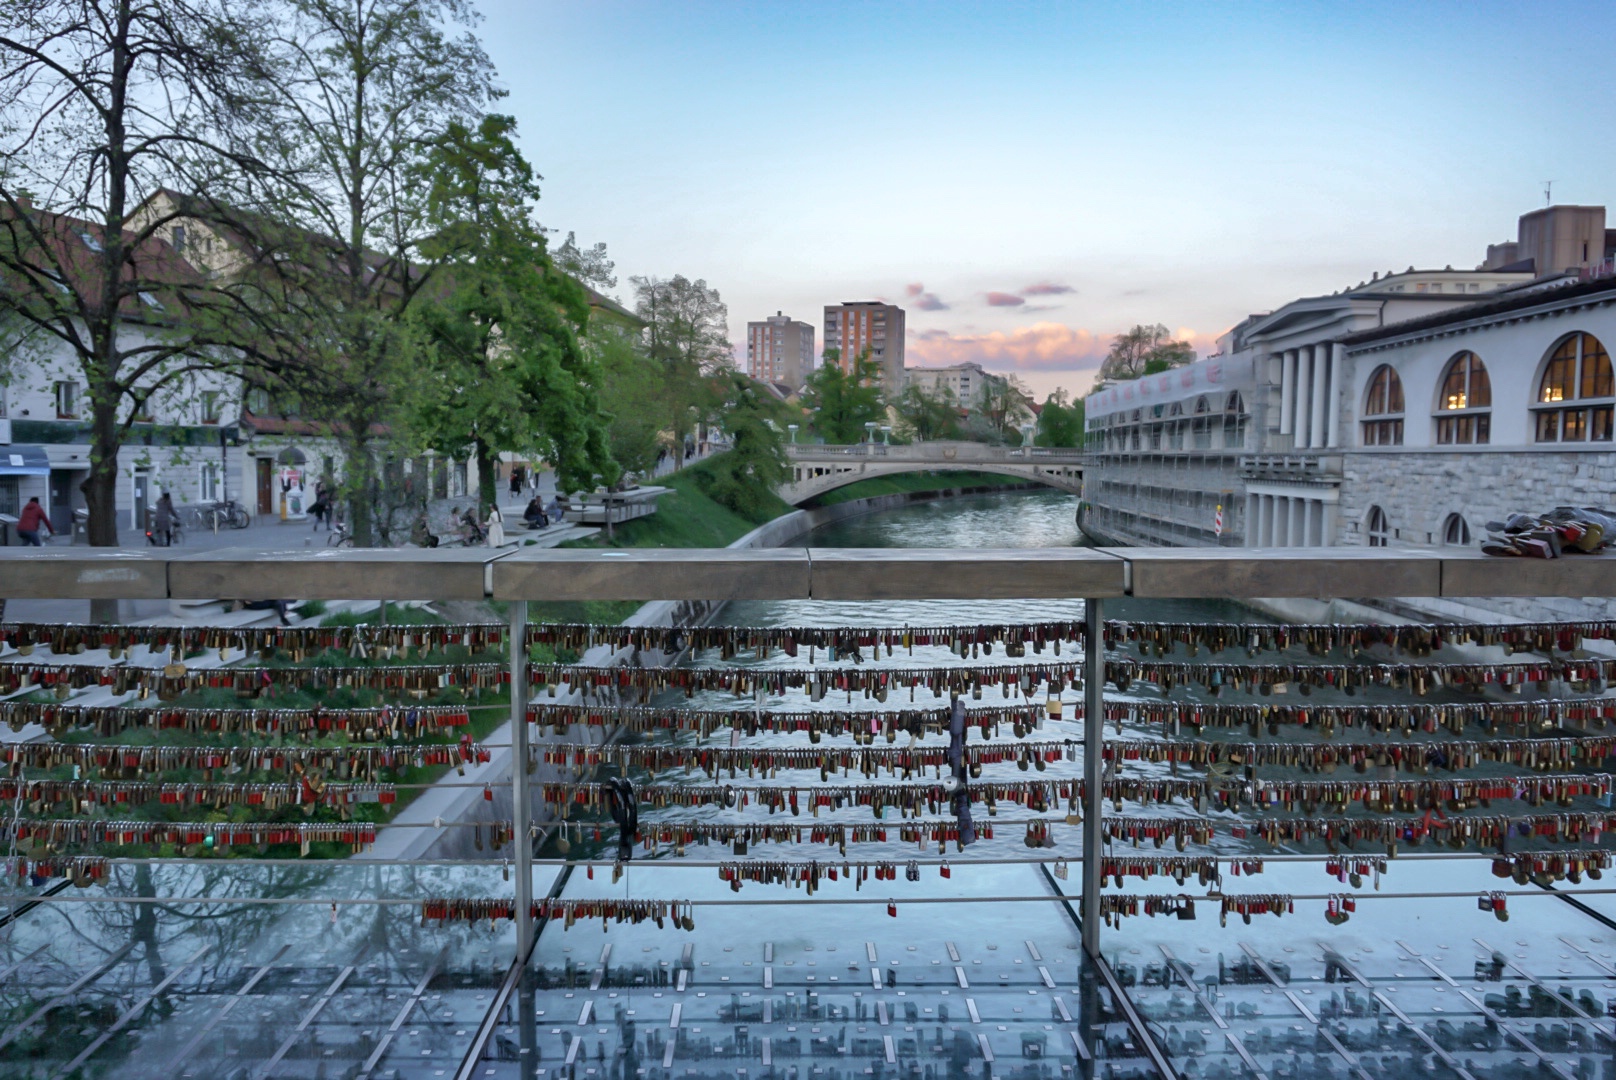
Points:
[780,350]
[856,325]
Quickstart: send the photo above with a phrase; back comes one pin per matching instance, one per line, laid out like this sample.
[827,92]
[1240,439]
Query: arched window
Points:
[1578,372]
[1234,424]
[1383,409]
[1379,532]
[1455,532]
[1464,407]
[1202,405]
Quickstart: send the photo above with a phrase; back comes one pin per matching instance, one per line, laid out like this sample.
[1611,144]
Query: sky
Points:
[1029,179]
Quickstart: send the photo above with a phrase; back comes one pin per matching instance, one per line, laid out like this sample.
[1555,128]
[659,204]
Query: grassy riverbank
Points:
[686,517]
[915,483]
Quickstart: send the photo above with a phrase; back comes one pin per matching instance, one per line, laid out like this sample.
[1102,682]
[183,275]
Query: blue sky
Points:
[1178,163]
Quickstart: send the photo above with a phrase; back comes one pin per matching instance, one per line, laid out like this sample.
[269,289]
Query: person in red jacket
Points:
[28,525]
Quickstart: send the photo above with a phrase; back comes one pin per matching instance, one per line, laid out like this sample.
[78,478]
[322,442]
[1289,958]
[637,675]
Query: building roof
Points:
[47,246]
[1488,308]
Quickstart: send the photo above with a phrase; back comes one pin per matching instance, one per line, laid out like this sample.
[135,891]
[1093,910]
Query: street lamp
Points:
[793,429]
[886,434]
[869,430]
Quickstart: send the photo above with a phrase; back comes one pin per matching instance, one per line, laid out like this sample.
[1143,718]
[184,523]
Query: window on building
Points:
[1383,409]
[1202,405]
[10,495]
[1455,532]
[210,486]
[210,406]
[1379,532]
[1577,393]
[1464,405]
[67,400]
[258,401]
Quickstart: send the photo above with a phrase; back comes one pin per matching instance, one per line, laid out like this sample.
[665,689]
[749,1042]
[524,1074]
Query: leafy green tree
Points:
[842,402]
[1061,421]
[744,478]
[687,333]
[924,415]
[631,396]
[362,92]
[502,368]
[1144,350]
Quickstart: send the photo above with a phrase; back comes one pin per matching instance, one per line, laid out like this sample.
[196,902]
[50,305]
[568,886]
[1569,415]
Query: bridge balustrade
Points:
[1464,767]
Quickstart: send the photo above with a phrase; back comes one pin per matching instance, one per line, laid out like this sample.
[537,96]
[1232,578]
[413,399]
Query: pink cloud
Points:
[1047,288]
[1044,346]
[915,289]
[1004,299]
[922,300]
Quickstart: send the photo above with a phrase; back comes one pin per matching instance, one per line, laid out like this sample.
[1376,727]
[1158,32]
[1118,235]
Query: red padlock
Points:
[892,908]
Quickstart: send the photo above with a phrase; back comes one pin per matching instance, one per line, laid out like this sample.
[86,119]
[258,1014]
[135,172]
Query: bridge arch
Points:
[816,470]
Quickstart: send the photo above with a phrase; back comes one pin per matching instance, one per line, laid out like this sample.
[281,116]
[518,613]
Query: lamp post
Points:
[886,434]
[793,429]
[869,430]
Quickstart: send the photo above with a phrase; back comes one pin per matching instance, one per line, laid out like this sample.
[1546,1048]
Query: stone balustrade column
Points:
[1287,391]
[1338,371]
[1304,397]
[1321,395]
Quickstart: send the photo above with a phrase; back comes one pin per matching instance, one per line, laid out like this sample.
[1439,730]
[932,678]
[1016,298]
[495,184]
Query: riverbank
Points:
[687,517]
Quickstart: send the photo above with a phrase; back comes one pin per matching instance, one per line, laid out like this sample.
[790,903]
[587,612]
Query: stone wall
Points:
[1419,489]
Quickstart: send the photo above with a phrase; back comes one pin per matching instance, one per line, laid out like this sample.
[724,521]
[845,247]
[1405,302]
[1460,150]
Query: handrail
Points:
[794,573]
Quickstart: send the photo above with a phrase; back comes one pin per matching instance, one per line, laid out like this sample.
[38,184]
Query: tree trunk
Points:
[100,490]
[487,481]
[361,488]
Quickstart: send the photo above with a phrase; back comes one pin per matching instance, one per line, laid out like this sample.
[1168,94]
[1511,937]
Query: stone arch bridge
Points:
[818,469]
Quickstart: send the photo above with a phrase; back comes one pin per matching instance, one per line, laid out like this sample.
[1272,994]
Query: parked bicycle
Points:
[339,536]
[227,513]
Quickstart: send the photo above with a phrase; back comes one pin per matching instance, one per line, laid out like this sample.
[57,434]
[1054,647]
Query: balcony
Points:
[1165,908]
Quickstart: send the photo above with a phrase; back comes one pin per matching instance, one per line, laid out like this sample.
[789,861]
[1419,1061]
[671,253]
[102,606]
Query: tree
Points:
[1061,421]
[362,91]
[588,265]
[631,396]
[103,103]
[503,368]
[923,416]
[687,333]
[1004,404]
[1144,350]
[842,402]
[744,478]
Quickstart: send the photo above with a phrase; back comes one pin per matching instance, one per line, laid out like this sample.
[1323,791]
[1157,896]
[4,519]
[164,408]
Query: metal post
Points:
[520,807]
[1093,738]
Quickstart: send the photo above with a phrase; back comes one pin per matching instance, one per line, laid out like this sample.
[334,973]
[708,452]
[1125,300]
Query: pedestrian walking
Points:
[496,527]
[31,521]
[516,481]
[162,534]
[321,508]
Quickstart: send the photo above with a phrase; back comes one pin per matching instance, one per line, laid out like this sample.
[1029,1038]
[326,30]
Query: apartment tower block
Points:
[780,350]
[856,325]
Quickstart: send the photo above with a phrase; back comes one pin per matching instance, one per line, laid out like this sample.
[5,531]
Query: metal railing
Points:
[518,577]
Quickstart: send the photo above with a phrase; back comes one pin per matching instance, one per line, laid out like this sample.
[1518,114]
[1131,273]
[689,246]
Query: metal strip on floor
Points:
[218,1018]
[403,1015]
[308,1018]
[130,1013]
[83,981]
[1188,978]
[6,973]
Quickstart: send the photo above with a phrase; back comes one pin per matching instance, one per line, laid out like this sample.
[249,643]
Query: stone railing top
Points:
[792,573]
[940,451]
